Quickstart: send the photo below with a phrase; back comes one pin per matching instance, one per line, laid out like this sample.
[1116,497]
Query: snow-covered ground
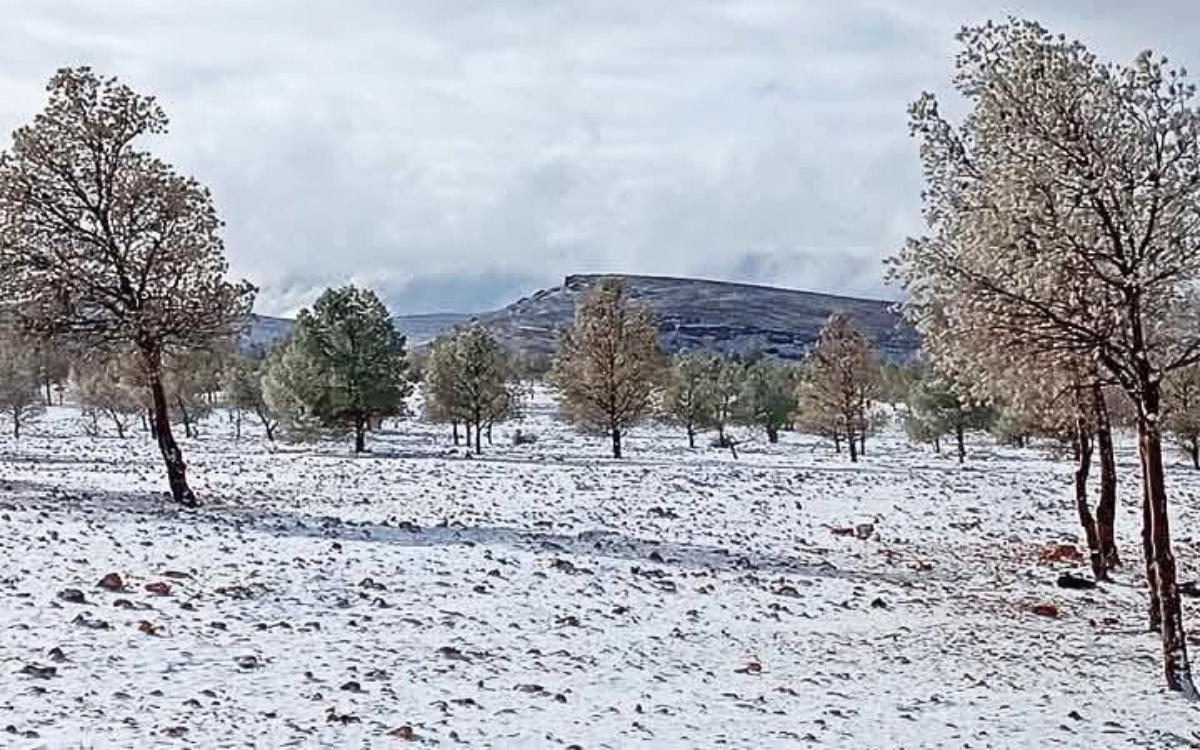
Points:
[548,596]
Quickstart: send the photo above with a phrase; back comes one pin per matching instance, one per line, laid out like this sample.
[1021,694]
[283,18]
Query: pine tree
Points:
[348,364]
[608,368]
[769,396]
[936,409]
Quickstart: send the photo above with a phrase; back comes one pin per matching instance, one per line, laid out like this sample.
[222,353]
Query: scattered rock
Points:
[1190,589]
[72,596]
[1060,553]
[39,671]
[878,603]
[1045,609]
[752,667]
[403,733]
[352,687]
[112,582]
[1072,581]
[249,661]
[175,732]
[87,622]
[158,587]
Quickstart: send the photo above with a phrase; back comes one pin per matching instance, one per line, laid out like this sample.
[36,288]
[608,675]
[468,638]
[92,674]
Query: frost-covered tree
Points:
[345,365]
[1064,217]
[107,246]
[21,399]
[242,382]
[840,381]
[608,368]
[1181,410]
[769,396]
[468,379]
[688,399]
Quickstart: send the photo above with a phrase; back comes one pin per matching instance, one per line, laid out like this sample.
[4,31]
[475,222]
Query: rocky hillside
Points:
[710,315]
[692,314]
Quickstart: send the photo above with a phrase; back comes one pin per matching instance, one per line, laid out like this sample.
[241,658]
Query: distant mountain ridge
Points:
[696,314]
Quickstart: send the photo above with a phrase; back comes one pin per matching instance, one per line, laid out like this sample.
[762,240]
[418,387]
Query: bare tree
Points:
[1063,218]
[105,244]
[608,367]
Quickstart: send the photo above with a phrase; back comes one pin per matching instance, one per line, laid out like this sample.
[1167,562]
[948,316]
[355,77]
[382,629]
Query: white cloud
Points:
[457,154]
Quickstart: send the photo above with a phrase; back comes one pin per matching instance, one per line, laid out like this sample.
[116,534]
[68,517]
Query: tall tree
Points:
[688,399]
[1063,216]
[608,367]
[841,380]
[347,343]
[103,243]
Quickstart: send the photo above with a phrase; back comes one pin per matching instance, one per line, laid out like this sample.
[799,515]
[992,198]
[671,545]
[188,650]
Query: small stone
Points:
[111,582]
[1072,581]
[250,661]
[1045,609]
[403,733]
[39,671]
[158,587]
[72,596]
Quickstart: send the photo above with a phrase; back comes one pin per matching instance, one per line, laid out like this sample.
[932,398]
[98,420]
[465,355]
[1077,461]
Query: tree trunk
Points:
[1083,470]
[616,441]
[49,394]
[960,440]
[360,435]
[1176,667]
[937,445]
[467,429]
[1155,611]
[1106,510]
[16,426]
[852,444]
[454,427]
[478,436]
[691,433]
[772,434]
[1194,451]
[489,433]
[837,442]
[183,413]
[862,443]
[161,427]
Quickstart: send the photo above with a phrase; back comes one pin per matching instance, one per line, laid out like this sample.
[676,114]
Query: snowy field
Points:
[546,596]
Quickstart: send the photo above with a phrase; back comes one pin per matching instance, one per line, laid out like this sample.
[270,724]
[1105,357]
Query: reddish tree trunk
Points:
[1176,666]
[616,442]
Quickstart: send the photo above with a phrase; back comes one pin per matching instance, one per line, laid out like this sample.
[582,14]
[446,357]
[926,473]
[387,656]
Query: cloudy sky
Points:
[457,154]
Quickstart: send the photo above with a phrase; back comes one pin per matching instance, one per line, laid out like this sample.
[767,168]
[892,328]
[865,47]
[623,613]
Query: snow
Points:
[548,596]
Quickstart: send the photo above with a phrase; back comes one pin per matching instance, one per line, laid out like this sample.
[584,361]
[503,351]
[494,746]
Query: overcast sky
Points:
[457,154]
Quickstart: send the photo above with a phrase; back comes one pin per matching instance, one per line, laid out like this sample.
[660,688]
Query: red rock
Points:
[1045,609]
[158,587]
[111,582]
